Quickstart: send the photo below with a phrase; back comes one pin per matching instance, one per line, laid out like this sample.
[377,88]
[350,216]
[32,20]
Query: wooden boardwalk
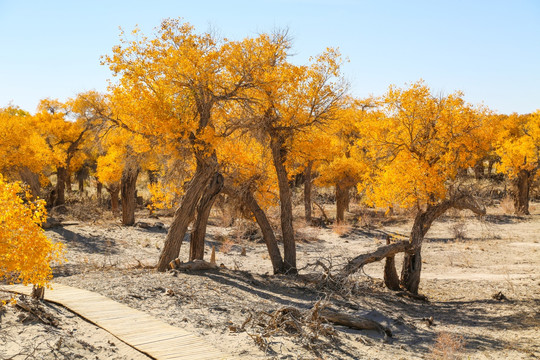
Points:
[140,330]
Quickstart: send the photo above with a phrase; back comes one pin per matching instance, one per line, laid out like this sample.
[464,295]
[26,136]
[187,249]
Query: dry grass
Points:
[459,229]
[447,346]
[507,205]
[341,228]
[226,245]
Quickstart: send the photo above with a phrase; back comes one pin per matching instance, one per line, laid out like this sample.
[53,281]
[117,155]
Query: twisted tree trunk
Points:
[184,215]
[196,245]
[412,262]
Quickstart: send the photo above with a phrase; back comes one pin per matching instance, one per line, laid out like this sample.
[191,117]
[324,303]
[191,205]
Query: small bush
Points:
[447,347]
[507,205]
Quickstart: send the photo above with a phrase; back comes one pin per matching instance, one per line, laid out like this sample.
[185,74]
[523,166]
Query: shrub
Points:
[26,253]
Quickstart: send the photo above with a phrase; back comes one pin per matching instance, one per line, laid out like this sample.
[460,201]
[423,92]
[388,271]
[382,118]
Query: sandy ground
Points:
[465,262]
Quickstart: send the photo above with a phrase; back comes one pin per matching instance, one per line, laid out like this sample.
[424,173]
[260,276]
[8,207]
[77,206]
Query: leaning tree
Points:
[414,151]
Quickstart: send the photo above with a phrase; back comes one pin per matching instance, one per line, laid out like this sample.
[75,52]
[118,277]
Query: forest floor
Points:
[466,262]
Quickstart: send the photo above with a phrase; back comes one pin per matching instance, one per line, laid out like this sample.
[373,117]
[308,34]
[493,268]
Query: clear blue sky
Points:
[489,49]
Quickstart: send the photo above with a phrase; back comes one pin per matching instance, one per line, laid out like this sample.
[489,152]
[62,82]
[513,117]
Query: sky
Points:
[489,49]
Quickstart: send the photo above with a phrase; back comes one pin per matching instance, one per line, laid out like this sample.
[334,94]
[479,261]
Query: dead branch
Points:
[326,220]
[381,253]
[354,322]
[39,313]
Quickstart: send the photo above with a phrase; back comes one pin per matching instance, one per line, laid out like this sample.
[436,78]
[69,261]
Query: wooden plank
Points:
[137,329]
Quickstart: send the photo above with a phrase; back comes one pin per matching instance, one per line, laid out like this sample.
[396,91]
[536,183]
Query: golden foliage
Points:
[26,254]
[417,144]
[518,143]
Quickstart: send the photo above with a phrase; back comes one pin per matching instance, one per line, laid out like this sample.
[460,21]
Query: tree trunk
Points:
[81,175]
[152,176]
[342,202]
[68,181]
[307,192]
[391,278]
[381,253]
[479,170]
[521,193]
[32,180]
[267,232]
[128,184]
[412,262]
[38,292]
[99,189]
[184,215]
[81,185]
[490,167]
[114,191]
[60,186]
[196,248]
[279,156]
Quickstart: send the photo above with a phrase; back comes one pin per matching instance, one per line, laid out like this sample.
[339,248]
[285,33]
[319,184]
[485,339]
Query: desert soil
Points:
[466,261]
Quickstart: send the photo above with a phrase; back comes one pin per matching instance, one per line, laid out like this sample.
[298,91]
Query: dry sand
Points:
[500,253]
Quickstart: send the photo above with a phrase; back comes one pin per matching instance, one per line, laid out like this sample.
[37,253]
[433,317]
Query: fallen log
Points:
[381,253]
[354,322]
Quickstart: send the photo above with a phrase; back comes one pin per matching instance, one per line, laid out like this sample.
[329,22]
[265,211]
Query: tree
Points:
[291,99]
[24,154]
[344,165]
[415,149]
[65,134]
[249,179]
[26,254]
[518,145]
[174,83]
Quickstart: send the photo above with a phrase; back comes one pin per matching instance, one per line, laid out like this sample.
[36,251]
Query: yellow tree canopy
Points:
[345,161]
[64,135]
[21,145]
[417,144]
[26,253]
[518,143]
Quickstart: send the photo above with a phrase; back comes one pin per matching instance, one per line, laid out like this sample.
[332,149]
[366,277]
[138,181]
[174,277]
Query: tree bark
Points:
[342,202]
[99,189]
[60,186]
[412,262]
[391,278]
[279,156]
[68,181]
[196,248]
[268,233]
[32,180]
[307,192]
[479,170]
[381,253]
[128,184]
[152,176]
[521,193]
[114,191]
[184,215]
[82,175]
